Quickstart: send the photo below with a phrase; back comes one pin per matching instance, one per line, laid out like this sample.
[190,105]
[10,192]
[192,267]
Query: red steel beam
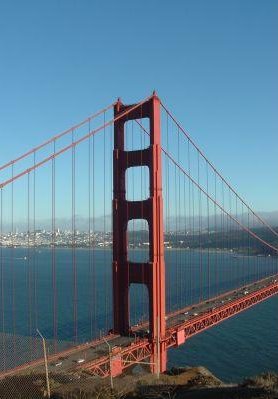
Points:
[217,297]
[178,334]
[151,273]
[223,312]
[216,171]
[175,336]
[65,353]
[120,359]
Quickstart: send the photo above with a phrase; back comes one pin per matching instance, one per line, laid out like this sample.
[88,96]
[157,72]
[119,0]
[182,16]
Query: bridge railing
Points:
[56,234]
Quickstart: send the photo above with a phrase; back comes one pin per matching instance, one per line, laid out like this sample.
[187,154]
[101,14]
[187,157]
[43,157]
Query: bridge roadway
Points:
[93,357]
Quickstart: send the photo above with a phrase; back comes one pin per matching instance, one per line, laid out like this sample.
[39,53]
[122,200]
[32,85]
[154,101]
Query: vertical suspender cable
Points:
[216,232]
[35,271]
[75,328]
[237,237]
[104,223]
[185,262]
[111,201]
[222,280]
[176,239]
[200,232]
[179,224]
[208,235]
[94,285]
[249,254]
[53,254]
[89,235]
[229,239]
[191,223]
[244,255]
[29,275]
[169,271]
[2,286]
[12,266]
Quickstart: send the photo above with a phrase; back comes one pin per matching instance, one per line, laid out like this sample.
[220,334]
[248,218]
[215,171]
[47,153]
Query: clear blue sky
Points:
[215,63]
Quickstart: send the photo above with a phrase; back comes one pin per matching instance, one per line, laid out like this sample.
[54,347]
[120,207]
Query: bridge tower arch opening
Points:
[126,272]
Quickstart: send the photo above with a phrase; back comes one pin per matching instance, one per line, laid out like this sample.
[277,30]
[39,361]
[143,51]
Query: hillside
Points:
[178,383]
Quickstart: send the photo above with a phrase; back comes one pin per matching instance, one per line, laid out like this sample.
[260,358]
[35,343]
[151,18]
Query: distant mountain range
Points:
[270,217]
[172,223]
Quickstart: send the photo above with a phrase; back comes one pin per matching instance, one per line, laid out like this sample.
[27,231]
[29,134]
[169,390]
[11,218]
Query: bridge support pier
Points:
[159,358]
[125,272]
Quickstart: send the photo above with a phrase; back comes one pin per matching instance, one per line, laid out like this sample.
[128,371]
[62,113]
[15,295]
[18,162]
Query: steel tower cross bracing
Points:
[125,272]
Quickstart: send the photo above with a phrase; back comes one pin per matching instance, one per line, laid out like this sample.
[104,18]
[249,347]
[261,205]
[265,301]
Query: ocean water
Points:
[242,346]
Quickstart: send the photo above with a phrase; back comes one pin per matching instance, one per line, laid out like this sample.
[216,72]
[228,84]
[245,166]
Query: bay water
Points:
[242,346]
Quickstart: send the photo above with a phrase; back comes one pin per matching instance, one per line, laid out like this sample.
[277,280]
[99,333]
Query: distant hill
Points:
[172,223]
[270,217]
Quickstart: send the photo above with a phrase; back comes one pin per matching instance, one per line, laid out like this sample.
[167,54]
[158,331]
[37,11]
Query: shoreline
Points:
[198,250]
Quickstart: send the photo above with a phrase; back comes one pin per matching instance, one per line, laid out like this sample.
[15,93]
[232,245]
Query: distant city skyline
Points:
[180,222]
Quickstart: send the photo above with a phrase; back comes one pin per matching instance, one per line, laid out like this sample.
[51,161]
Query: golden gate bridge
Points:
[171,248]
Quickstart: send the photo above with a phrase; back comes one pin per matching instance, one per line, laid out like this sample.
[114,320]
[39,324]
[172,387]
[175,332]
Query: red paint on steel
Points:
[218,204]
[212,318]
[151,273]
[67,148]
[55,138]
[65,353]
[214,298]
[178,334]
[208,196]
[216,171]
[174,336]
[151,209]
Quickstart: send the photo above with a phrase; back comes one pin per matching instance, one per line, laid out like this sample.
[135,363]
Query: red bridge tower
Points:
[126,272]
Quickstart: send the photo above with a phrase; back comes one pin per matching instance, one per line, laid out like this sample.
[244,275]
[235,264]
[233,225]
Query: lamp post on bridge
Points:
[45,363]
[110,362]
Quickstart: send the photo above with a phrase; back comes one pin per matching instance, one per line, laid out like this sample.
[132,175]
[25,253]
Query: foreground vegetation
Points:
[186,383]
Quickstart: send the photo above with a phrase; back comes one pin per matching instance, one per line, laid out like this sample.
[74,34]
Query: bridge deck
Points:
[93,357]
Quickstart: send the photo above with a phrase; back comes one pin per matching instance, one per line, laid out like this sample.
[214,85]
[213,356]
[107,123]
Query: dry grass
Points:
[267,381]
[191,383]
